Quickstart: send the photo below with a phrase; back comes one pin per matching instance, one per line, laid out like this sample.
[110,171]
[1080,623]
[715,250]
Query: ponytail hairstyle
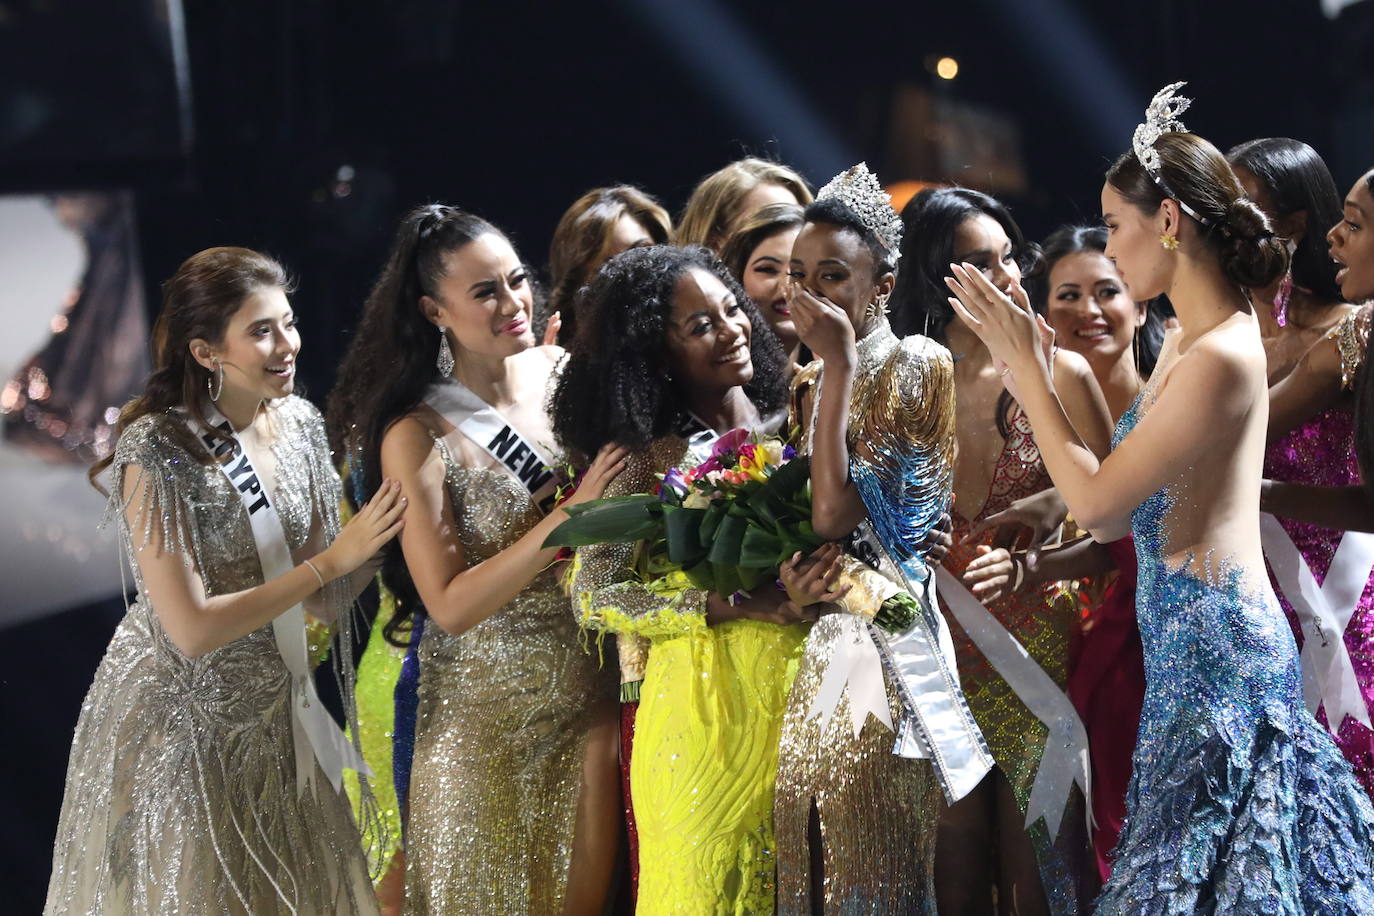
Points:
[391,362]
[1298,181]
[1230,224]
[198,302]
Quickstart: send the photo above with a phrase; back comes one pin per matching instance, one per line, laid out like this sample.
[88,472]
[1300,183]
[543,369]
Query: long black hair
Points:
[391,361]
[614,387]
[1298,181]
[920,300]
[1067,240]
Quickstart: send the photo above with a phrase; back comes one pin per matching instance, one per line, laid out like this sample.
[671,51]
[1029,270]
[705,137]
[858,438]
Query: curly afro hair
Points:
[614,387]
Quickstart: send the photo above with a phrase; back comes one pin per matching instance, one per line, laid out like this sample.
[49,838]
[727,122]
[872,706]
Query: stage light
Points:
[946,68]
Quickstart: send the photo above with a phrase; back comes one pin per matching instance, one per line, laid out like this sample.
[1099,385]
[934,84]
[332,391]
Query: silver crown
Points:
[1161,117]
[858,189]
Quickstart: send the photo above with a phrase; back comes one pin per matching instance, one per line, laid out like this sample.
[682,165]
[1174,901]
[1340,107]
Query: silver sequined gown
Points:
[181,790]
[501,729]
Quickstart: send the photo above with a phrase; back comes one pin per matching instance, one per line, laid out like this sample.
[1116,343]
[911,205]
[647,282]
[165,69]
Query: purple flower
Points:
[673,482]
[788,453]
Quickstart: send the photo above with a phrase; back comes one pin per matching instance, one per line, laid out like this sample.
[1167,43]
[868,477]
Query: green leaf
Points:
[616,520]
[682,531]
[760,549]
[725,546]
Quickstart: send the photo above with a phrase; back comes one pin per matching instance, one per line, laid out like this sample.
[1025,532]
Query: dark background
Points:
[306,128]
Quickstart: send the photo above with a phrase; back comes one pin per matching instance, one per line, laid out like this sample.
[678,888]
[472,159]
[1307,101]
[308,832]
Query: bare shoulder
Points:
[408,442]
[1070,366]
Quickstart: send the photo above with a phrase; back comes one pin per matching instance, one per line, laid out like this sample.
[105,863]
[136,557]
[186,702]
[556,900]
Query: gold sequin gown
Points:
[181,790]
[706,734]
[501,729]
[877,812]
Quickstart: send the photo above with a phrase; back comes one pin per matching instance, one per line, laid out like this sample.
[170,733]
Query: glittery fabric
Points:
[1044,620]
[1107,687]
[705,741]
[877,812]
[1352,337]
[501,730]
[378,671]
[1240,802]
[1321,452]
[181,790]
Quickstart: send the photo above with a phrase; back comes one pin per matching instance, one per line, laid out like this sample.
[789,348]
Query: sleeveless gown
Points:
[1239,801]
[501,721]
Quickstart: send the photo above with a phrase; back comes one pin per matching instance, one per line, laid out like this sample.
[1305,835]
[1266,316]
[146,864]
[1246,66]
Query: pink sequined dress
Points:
[1321,452]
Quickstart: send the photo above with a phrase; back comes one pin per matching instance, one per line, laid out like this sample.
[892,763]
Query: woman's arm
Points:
[1083,401]
[198,623]
[998,572]
[458,596]
[1340,508]
[1204,402]
[1312,386]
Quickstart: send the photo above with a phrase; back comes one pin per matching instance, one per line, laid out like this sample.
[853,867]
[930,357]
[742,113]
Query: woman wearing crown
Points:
[1239,801]
[855,821]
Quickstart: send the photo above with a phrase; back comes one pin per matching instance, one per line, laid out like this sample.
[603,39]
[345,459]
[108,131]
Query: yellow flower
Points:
[755,464]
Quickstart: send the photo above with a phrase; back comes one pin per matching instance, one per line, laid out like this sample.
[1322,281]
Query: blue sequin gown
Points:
[1240,802]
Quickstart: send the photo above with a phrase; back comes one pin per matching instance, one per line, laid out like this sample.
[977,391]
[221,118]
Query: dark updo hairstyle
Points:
[930,222]
[581,237]
[1230,223]
[614,387]
[1067,240]
[197,303]
[764,223]
[834,212]
[1298,181]
[390,363]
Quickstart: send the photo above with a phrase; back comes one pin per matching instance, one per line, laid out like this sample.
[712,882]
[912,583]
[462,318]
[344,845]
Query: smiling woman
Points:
[512,790]
[184,792]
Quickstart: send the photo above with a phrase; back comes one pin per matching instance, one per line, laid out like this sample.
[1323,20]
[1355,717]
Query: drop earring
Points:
[445,360]
[214,382]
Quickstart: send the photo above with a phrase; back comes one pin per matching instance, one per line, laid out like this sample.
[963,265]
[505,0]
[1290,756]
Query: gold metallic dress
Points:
[877,812]
[501,729]
[181,790]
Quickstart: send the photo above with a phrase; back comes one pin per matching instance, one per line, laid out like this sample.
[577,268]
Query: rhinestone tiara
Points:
[858,189]
[1162,117]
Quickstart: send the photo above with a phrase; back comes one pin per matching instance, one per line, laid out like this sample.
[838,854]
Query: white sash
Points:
[484,425]
[1324,611]
[311,724]
[1064,760]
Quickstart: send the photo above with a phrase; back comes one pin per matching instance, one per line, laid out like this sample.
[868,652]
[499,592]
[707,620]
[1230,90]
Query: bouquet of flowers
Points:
[725,525]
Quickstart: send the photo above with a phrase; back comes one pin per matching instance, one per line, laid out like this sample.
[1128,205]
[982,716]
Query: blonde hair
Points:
[580,238]
[714,205]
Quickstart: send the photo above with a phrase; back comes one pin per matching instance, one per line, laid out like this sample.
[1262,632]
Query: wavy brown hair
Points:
[197,302]
[579,243]
[713,208]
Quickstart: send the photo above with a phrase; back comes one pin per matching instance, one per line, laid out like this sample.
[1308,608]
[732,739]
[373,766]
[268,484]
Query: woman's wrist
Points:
[321,566]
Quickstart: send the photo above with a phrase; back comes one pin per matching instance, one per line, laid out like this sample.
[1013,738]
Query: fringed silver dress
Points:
[181,789]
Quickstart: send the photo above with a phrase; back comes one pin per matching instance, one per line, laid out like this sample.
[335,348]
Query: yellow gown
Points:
[706,736]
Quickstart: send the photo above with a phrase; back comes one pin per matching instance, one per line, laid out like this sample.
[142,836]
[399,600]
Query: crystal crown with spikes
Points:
[858,189]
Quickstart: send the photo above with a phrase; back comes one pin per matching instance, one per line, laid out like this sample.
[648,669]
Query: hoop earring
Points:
[445,360]
[214,382]
[1168,242]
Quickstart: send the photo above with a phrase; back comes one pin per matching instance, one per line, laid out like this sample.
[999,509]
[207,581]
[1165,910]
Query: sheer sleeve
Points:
[151,463]
[608,593]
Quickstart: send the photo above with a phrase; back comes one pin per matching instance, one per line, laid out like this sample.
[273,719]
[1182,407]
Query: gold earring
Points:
[1168,242]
